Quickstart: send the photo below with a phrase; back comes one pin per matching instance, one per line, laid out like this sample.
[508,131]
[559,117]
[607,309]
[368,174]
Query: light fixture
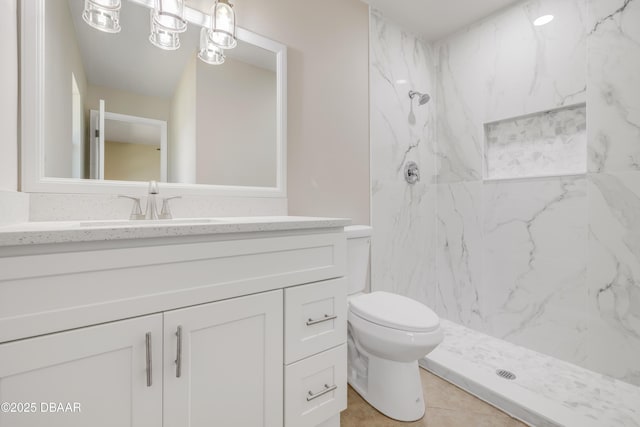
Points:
[209,53]
[169,15]
[543,20]
[161,37]
[103,15]
[402,82]
[167,22]
[223,25]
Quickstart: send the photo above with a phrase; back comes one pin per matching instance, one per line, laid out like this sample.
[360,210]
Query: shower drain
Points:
[503,373]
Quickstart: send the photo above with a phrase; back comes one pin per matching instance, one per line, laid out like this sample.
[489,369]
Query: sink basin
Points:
[144,222]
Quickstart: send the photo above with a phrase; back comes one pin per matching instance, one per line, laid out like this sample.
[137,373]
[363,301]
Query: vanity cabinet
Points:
[242,332]
[213,362]
[110,375]
[223,363]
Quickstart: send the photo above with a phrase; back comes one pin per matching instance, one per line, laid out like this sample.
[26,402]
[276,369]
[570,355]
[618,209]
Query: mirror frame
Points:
[33,138]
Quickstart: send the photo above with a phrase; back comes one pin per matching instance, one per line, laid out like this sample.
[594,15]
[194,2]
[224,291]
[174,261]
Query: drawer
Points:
[315,318]
[85,287]
[316,388]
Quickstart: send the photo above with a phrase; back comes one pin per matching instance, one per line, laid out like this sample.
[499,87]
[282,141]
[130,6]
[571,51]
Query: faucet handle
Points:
[136,210]
[165,212]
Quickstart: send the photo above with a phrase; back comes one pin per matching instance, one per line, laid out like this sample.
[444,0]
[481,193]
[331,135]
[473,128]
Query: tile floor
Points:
[447,406]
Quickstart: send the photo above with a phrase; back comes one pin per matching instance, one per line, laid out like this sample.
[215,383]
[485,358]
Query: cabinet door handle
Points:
[179,353]
[326,318]
[326,390]
[149,365]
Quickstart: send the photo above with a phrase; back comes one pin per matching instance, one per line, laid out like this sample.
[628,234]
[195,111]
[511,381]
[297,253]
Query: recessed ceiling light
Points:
[402,82]
[543,20]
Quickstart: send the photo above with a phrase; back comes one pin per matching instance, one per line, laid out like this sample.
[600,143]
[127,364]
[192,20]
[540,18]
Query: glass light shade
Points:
[169,15]
[223,25]
[103,15]
[209,52]
[160,37]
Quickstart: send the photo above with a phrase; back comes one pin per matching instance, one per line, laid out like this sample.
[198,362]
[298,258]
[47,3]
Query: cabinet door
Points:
[100,376]
[223,363]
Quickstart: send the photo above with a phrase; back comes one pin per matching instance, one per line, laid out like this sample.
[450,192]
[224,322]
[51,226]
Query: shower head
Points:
[423,98]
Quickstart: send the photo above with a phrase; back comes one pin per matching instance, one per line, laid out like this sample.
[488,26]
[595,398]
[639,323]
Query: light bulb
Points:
[543,20]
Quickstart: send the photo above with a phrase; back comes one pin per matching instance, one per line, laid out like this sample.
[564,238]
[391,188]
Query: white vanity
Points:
[230,322]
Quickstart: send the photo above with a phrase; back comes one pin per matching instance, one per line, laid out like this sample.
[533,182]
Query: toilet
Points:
[388,333]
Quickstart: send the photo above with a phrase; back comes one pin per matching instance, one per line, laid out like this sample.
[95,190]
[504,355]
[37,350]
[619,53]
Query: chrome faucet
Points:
[152,205]
[151,213]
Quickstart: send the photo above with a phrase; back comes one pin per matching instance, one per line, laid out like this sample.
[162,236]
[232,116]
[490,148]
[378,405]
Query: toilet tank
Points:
[358,243]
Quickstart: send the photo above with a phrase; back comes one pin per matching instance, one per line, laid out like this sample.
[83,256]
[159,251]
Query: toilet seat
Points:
[394,311]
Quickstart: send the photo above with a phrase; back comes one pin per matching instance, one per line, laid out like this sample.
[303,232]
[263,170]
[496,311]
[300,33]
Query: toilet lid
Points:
[394,311]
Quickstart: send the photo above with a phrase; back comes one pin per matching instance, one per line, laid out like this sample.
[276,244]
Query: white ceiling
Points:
[434,19]
[128,61]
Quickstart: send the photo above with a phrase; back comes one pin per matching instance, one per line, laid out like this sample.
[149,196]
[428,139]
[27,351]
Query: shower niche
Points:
[549,143]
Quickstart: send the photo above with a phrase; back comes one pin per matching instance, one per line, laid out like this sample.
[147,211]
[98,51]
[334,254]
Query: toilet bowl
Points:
[388,333]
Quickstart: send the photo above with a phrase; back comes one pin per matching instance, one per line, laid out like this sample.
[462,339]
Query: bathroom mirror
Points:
[106,112]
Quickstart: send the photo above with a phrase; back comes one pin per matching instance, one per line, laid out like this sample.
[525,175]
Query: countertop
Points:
[35,233]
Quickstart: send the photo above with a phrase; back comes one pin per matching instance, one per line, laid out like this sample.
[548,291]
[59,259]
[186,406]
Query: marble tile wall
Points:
[614,85]
[403,215]
[551,263]
[534,252]
[505,67]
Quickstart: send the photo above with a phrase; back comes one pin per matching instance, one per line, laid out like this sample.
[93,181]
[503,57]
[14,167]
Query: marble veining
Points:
[614,85]
[564,394]
[459,254]
[535,239]
[505,67]
[403,215]
[551,143]
[550,263]
[614,275]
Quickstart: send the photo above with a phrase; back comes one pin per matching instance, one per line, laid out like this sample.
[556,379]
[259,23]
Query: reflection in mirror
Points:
[118,108]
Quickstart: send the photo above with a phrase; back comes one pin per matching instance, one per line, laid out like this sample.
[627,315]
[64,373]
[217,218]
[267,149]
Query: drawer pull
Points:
[326,318]
[326,390]
[147,345]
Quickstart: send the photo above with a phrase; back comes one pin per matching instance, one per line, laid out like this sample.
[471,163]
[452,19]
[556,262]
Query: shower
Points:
[423,98]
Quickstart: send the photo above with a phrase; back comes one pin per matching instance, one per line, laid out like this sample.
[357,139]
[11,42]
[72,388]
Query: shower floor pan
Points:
[545,391]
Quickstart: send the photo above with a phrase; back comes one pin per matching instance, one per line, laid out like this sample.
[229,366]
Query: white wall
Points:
[9,98]
[236,124]
[62,59]
[182,129]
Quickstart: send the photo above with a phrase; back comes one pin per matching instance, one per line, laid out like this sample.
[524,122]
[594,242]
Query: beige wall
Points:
[62,59]
[131,162]
[9,98]
[182,129]
[236,124]
[328,100]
